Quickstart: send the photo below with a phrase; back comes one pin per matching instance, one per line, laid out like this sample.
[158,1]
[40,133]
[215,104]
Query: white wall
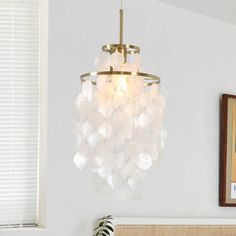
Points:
[196,59]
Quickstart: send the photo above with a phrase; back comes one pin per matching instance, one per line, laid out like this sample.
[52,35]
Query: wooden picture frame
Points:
[227,193]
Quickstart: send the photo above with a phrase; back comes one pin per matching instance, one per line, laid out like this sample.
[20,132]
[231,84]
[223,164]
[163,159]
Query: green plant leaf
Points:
[101,224]
[106,231]
[98,233]
[106,217]
[110,228]
[103,234]
[107,221]
[104,226]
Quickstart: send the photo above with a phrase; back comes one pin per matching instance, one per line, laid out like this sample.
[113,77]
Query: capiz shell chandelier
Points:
[119,113]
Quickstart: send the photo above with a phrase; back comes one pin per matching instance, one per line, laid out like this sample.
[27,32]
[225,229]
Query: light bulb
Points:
[120,84]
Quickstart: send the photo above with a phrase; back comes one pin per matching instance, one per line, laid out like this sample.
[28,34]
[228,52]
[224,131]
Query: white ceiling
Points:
[220,9]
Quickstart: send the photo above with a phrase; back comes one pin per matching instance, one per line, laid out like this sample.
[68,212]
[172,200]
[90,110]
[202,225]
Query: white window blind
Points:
[19,111]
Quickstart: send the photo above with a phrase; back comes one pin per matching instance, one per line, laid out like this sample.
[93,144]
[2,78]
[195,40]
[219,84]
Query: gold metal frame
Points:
[148,78]
[125,49]
[128,48]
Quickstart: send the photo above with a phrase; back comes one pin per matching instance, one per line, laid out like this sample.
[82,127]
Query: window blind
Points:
[19,111]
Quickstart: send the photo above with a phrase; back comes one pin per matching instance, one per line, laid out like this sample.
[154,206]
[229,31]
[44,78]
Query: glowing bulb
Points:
[120,84]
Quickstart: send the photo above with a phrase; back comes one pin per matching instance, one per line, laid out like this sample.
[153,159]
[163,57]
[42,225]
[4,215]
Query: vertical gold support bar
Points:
[121,27]
[122,49]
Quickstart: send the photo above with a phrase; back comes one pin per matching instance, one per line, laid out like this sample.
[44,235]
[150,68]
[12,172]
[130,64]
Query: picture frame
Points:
[227,189]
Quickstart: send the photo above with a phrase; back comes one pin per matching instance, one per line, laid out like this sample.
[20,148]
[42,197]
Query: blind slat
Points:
[19,111]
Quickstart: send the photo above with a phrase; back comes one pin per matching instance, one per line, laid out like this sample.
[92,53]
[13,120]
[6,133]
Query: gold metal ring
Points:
[128,48]
[149,79]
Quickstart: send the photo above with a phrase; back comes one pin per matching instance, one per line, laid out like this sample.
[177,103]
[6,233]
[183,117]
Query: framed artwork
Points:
[228,151]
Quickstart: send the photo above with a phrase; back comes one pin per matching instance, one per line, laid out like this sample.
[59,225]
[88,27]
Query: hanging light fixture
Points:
[120,112]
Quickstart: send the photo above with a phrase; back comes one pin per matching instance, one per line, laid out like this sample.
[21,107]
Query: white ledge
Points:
[23,229]
[173,221]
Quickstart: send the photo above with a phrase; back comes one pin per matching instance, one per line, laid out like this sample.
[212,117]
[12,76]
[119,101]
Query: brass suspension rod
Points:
[121,26]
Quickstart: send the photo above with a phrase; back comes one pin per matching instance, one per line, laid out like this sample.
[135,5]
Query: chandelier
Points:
[119,119]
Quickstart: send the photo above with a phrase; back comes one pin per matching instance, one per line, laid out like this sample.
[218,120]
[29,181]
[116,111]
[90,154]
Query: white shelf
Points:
[174,221]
